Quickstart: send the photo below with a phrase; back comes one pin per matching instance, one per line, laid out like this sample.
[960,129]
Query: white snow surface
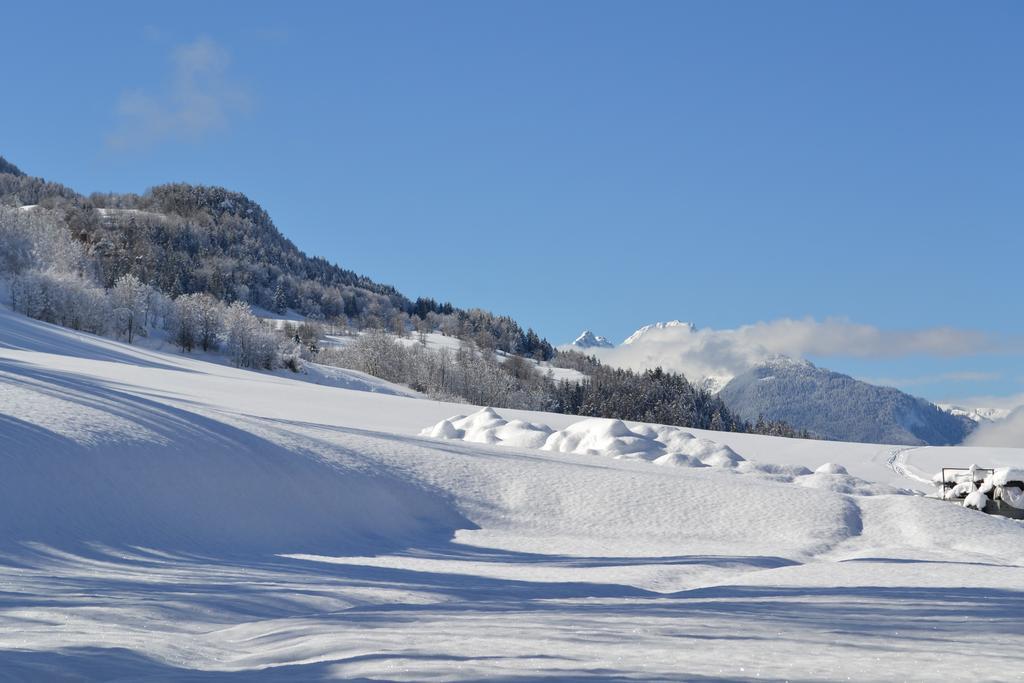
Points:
[164,517]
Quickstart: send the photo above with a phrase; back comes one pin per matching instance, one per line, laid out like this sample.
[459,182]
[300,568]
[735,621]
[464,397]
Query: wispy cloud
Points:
[966,376]
[709,352]
[199,97]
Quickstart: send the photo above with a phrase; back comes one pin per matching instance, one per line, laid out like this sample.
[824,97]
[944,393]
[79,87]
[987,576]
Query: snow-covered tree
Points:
[246,340]
[280,304]
[36,238]
[129,299]
[62,298]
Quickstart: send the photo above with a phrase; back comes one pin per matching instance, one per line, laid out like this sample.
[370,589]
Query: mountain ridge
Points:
[838,407]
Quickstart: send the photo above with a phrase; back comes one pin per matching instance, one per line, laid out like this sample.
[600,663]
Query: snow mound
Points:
[598,436]
[486,426]
[679,460]
[846,484]
[446,430]
[831,478]
[677,440]
[592,436]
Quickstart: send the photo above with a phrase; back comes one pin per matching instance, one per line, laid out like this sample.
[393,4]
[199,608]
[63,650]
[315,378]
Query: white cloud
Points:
[198,99]
[1005,433]
[724,353]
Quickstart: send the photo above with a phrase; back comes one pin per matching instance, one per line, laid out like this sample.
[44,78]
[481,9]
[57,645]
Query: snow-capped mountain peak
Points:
[647,329]
[589,340]
[978,415]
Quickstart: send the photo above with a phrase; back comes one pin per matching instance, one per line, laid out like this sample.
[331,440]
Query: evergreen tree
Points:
[280,304]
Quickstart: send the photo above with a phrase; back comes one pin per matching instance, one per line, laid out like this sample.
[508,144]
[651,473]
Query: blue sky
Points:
[581,164]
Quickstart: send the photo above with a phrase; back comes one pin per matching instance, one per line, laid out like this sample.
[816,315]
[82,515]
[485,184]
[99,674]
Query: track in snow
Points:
[898,462]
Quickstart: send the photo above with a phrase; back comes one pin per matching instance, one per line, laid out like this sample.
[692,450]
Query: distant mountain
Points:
[838,407]
[588,340]
[978,415]
[647,329]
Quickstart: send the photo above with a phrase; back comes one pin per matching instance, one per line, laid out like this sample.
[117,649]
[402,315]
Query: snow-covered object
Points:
[1004,475]
[831,468]
[976,500]
[1003,483]
[960,490]
[960,484]
[1012,496]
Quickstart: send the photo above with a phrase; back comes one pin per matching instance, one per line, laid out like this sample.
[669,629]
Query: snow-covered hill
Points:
[166,517]
[837,406]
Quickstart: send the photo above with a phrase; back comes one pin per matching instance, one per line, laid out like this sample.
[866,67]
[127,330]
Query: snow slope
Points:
[165,517]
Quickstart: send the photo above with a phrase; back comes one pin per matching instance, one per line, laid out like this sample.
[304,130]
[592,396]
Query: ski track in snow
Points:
[166,518]
[899,462]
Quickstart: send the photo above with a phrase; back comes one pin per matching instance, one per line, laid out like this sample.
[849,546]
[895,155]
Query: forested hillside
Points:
[834,406]
[185,239]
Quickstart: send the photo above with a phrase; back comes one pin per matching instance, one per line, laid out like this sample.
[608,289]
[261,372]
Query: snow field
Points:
[169,518]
